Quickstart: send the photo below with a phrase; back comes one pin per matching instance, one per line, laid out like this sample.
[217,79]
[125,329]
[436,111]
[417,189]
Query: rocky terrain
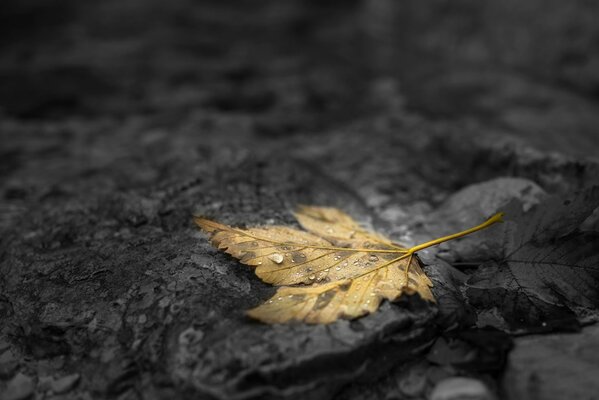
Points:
[120,120]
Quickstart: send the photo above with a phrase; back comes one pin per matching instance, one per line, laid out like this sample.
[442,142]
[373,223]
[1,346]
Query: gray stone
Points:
[20,387]
[460,388]
[65,383]
[554,367]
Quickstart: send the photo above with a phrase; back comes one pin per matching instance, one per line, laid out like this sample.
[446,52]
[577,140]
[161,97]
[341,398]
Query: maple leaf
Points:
[549,271]
[335,269]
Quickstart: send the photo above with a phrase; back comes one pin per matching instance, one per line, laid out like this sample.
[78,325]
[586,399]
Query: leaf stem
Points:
[493,220]
[410,252]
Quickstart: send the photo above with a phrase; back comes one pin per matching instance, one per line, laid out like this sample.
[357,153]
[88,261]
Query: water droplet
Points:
[259,263]
[309,269]
[298,257]
[373,258]
[276,257]
[330,230]
[327,270]
[338,268]
[344,264]
[270,301]
[279,298]
[312,277]
[337,257]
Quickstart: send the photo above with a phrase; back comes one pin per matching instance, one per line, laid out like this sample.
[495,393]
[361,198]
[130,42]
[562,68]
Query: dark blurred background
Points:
[526,68]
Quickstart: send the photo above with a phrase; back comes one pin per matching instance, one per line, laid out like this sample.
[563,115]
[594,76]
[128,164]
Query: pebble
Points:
[44,383]
[413,382]
[4,345]
[64,384]
[7,356]
[459,388]
[190,336]
[19,388]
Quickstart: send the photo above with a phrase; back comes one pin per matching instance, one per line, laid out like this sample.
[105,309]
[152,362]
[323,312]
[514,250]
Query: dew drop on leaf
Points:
[298,257]
[276,257]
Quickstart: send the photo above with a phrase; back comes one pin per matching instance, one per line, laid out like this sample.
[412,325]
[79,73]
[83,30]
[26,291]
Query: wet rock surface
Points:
[419,120]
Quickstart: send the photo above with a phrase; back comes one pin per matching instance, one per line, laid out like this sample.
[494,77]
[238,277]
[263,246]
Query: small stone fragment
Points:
[44,383]
[64,384]
[19,388]
[190,336]
[4,344]
[9,362]
[460,388]
[413,383]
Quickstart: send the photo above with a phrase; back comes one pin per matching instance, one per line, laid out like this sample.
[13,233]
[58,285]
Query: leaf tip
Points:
[199,220]
[207,225]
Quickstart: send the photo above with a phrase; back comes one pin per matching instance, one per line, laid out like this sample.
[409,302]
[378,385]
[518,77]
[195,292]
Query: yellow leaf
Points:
[335,270]
[338,227]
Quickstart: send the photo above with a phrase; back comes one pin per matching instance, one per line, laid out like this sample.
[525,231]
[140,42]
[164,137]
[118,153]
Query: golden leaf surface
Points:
[335,269]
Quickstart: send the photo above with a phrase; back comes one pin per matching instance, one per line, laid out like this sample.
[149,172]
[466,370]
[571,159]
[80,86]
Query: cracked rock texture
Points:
[118,121]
